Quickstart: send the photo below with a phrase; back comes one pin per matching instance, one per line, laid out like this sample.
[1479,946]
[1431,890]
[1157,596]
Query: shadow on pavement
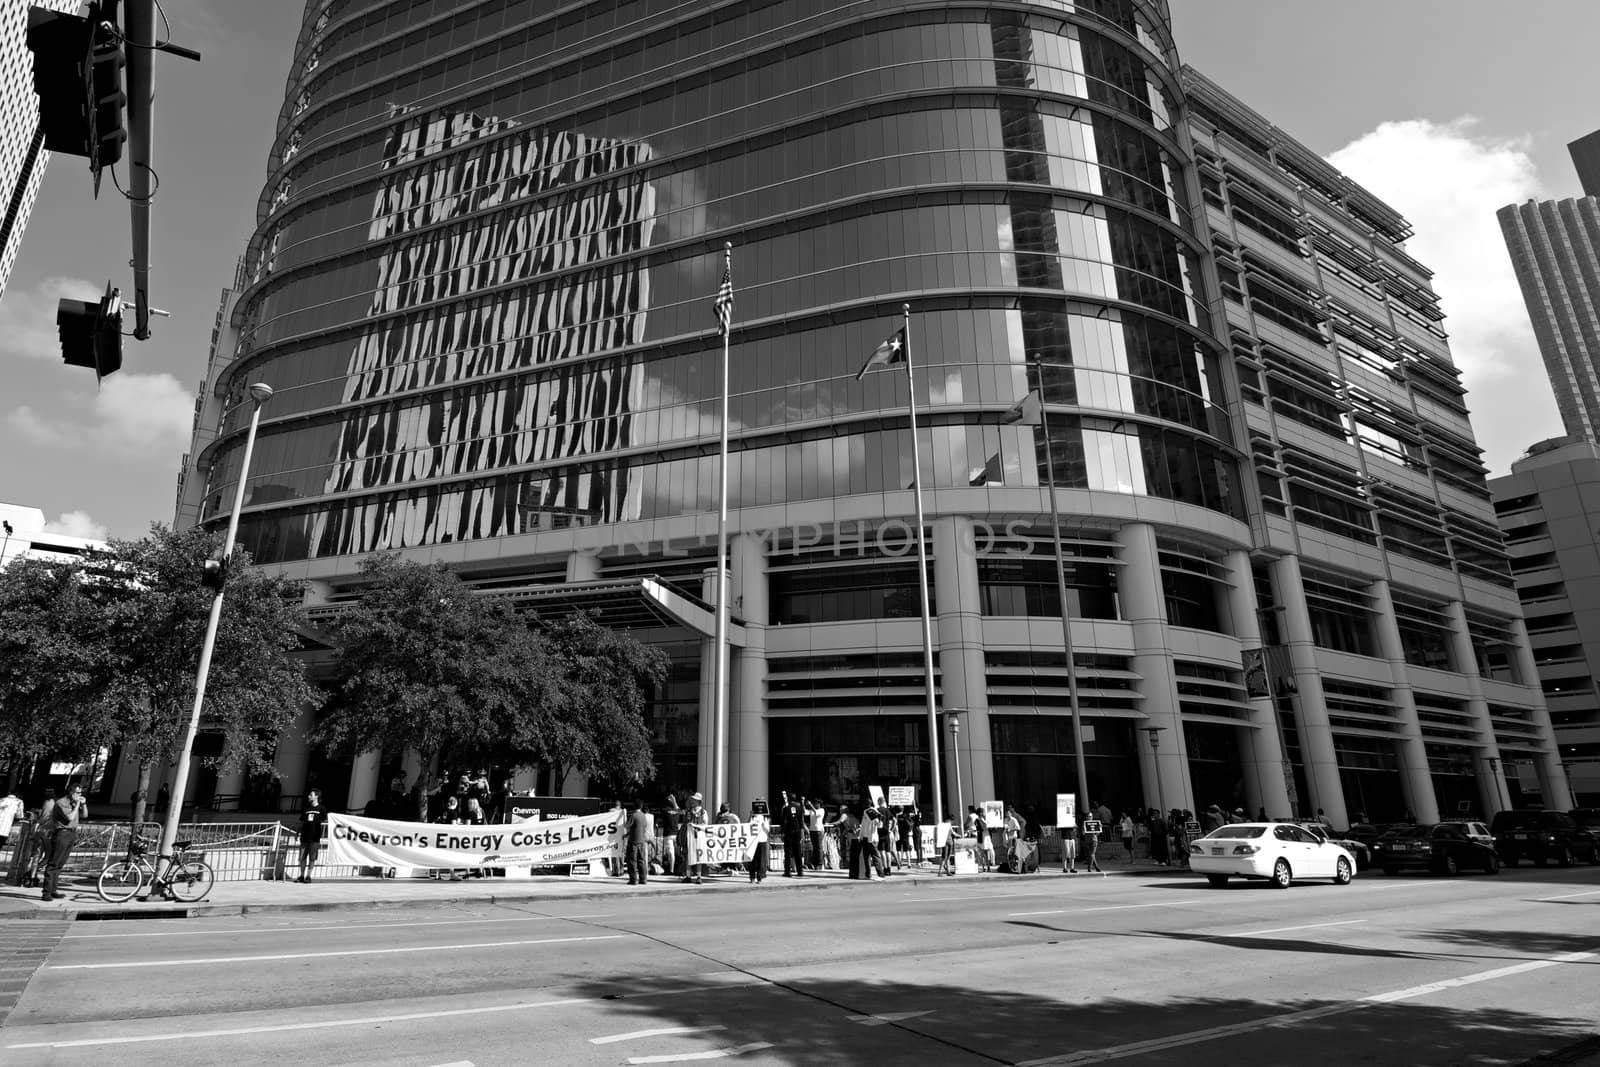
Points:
[845,1023]
[1531,942]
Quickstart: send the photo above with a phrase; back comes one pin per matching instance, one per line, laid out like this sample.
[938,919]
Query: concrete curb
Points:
[17,908]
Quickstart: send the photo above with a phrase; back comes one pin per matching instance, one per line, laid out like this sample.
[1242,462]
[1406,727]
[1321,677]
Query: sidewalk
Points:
[338,894]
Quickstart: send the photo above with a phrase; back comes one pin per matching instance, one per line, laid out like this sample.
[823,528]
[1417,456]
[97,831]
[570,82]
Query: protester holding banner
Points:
[760,830]
[695,816]
[1092,829]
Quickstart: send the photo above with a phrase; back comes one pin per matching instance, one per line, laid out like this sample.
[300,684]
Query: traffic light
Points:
[214,573]
[61,45]
[77,73]
[91,333]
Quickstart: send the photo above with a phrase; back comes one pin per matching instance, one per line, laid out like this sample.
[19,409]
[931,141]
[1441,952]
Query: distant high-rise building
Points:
[22,152]
[481,285]
[1585,152]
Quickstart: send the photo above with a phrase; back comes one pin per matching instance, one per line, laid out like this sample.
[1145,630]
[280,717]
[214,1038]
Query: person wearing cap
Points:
[761,830]
[1238,815]
[1211,819]
[696,815]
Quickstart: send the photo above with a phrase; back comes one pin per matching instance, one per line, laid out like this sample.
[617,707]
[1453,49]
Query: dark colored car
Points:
[1359,849]
[1443,848]
[1588,818]
[1542,836]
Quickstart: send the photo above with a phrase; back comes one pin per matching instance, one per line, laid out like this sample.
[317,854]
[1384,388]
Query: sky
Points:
[1440,107]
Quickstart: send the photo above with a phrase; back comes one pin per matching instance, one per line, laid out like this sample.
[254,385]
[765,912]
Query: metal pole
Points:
[1155,750]
[138,28]
[955,743]
[259,395]
[922,578]
[719,743]
[1061,585]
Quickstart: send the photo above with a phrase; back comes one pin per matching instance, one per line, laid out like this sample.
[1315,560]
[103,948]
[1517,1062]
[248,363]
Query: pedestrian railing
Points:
[236,851]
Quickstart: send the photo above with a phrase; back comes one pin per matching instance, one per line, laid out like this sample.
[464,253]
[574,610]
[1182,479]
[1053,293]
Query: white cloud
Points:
[28,317]
[143,411]
[1448,180]
[131,416]
[77,524]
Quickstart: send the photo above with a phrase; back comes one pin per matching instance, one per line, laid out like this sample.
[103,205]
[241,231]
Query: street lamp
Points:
[260,393]
[1155,747]
[955,747]
[6,543]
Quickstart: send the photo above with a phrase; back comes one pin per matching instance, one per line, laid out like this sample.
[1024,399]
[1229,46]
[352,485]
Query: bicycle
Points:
[187,878]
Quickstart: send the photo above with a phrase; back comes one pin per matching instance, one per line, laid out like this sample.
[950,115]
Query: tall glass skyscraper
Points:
[23,155]
[481,286]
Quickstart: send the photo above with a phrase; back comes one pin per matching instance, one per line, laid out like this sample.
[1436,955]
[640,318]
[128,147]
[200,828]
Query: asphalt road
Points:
[1032,970]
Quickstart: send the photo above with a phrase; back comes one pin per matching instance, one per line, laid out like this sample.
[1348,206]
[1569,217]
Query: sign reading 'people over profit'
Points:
[361,842]
[723,842]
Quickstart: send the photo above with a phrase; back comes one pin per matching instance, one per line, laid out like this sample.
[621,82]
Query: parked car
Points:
[1278,852]
[1358,849]
[1588,818]
[1542,836]
[1441,848]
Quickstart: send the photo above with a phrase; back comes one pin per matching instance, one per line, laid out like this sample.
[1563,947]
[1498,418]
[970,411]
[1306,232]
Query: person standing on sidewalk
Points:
[695,816]
[670,823]
[636,844]
[1069,850]
[792,820]
[814,816]
[65,816]
[1125,824]
[1091,845]
[313,818]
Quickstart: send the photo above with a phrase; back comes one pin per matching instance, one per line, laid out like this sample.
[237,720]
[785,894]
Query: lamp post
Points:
[260,393]
[6,543]
[1155,748]
[955,747]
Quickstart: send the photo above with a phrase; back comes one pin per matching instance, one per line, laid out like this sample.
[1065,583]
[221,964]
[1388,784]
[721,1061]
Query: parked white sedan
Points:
[1277,851]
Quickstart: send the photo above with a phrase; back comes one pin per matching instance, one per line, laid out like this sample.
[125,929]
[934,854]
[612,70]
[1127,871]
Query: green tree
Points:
[595,721]
[52,662]
[156,612]
[425,663]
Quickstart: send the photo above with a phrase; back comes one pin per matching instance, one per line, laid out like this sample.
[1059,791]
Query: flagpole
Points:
[719,744]
[922,582]
[1066,610]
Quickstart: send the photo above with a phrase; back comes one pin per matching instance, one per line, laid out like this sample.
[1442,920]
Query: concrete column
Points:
[1486,761]
[1310,704]
[958,648]
[1553,783]
[1267,773]
[1144,607]
[1415,776]
[747,711]
[363,780]
[294,754]
[583,567]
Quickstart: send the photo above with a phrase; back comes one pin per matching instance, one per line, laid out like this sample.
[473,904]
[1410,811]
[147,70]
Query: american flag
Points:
[724,301]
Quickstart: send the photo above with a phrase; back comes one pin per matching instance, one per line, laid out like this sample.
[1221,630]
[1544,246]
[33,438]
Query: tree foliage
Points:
[104,652]
[427,664]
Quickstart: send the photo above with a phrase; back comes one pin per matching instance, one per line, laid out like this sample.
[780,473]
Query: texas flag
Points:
[891,351]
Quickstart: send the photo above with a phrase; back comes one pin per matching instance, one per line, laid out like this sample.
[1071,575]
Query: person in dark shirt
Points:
[313,818]
[636,844]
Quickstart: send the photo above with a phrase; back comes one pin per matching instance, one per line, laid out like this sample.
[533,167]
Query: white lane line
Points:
[457,1063]
[1113,907]
[363,1020]
[1286,929]
[325,955]
[714,1054]
[1195,1037]
[279,931]
[635,1035]
[980,896]
[1567,896]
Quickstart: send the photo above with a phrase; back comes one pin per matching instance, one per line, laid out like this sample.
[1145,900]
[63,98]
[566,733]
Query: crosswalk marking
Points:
[614,1038]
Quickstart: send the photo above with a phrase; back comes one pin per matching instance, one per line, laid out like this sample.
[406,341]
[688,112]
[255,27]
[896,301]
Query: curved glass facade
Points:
[481,281]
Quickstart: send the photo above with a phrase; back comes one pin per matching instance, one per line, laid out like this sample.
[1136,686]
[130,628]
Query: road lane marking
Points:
[1112,907]
[714,1054]
[887,1017]
[980,896]
[635,1035]
[1286,929]
[1567,896]
[364,1020]
[279,931]
[325,955]
[1195,1037]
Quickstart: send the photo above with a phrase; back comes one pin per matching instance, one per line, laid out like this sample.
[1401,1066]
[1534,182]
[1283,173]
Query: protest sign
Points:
[875,794]
[361,842]
[1066,809]
[902,796]
[1091,826]
[723,843]
[994,813]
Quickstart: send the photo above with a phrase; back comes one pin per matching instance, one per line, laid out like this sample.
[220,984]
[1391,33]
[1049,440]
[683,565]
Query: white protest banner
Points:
[902,796]
[360,842]
[1066,809]
[994,813]
[875,794]
[723,843]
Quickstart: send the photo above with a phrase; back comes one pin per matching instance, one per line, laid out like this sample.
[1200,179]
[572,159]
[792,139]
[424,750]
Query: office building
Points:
[1549,507]
[22,152]
[1585,153]
[24,534]
[481,287]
